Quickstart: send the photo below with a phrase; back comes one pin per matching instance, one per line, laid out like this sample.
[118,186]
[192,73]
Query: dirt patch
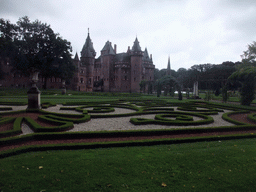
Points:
[6,127]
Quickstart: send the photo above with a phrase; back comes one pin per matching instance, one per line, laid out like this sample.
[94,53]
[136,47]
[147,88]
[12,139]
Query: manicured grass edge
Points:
[74,146]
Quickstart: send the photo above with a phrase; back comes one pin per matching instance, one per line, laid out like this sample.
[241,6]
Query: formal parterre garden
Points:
[126,122]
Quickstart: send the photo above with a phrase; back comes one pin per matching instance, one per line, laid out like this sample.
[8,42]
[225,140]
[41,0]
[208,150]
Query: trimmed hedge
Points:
[226,117]
[16,129]
[72,146]
[65,121]
[5,108]
[182,118]
[60,125]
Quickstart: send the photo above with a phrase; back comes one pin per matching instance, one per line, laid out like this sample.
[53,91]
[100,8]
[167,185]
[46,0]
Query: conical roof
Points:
[146,56]
[76,57]
[88,50]
[169,67]
[108,47]
[136,45]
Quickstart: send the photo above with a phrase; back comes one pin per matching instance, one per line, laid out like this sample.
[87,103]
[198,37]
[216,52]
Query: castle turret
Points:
[136,66]
[88,50]
[107,56]
[87,63]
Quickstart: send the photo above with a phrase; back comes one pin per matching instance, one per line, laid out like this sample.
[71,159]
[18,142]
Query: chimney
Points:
[115,48]
[128,49]
[151,56]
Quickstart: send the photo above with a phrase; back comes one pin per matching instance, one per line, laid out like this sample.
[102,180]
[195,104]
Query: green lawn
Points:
[206,166]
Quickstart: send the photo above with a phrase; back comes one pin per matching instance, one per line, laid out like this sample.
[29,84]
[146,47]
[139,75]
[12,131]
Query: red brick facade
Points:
[111,71]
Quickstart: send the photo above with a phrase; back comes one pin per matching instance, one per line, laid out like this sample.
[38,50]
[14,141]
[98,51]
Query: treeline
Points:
[209,76]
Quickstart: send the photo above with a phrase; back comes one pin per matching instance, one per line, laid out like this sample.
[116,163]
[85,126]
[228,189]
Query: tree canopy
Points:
[246,75]
[35,47]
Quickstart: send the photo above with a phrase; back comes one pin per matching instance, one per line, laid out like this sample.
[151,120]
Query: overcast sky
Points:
[189,31]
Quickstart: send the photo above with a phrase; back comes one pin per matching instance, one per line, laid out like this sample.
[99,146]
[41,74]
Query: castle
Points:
[110,72]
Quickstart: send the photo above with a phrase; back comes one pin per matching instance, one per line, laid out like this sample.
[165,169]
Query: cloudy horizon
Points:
[189,31]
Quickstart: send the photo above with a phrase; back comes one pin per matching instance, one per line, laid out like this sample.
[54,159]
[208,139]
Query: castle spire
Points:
[136,45]
[168,72]
[88,50]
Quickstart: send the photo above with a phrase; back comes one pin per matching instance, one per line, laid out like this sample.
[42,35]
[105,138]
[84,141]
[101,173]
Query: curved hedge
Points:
[182,118]
[63,122]
[252,117]
[226,117]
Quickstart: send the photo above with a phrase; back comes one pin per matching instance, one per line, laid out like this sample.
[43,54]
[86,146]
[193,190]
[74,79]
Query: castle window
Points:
[89,81]
[81,80]
[134,79]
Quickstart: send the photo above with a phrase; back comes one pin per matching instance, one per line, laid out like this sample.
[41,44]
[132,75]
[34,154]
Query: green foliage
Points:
[204,166]
[246,75]
[224,94]
[35,47]
[208,96]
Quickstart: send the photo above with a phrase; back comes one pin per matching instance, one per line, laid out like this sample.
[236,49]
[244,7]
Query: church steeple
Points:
[168,72]
[88,50]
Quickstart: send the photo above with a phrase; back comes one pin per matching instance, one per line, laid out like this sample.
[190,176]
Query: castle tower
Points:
[107,55]
[75,80]
[136,66]
[168,72]
[87,63]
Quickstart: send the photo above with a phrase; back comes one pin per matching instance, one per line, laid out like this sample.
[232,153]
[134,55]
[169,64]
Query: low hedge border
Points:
[61,125]
[13,103]
[83,118]
[226,117]
[161,120]
[102,134]
[75,146]
[46,105]
[63,122]
[5,108]
[16,126]
[252,117]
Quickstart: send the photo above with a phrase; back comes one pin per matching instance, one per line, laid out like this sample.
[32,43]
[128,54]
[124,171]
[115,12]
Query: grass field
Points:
[207,166]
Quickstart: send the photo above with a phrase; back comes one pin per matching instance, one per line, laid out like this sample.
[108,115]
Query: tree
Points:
[167,83]
[246,75]
[7,31]
[38,48]
[249,56]
[143,85]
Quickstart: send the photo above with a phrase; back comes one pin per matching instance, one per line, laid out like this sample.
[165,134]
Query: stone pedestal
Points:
[34,94]
[34,98]
[195,89]
[63,88]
